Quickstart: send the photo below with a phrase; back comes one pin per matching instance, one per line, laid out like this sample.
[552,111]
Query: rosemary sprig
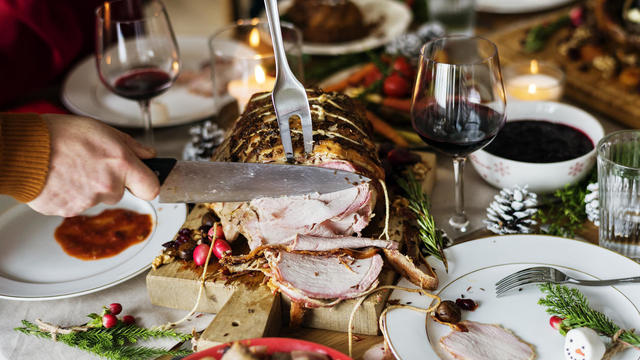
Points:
[573,306]
[432,240]
[115,343]
[538,35]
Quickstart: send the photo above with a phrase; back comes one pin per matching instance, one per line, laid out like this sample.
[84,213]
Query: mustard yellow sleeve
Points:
[24,155]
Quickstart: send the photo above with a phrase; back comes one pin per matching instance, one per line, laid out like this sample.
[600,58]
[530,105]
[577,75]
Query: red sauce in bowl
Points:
[103,235]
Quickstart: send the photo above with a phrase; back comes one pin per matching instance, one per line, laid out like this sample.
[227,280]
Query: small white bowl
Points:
[541,177]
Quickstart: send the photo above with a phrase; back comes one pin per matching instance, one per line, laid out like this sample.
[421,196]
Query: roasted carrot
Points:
[386,130]
[355,78]
[397,103]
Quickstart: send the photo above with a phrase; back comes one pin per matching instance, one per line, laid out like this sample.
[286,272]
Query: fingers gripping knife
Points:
[289,96]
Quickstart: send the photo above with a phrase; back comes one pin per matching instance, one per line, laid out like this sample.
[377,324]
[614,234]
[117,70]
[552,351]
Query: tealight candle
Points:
[243,89]
[534,81]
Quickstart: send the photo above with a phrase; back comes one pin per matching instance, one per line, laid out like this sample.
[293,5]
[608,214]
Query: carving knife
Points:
[208,181]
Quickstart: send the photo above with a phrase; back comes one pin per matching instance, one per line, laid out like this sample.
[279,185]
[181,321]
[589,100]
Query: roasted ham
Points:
[486,342]
[306,244]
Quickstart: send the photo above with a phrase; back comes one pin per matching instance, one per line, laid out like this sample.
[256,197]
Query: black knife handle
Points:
[160,166]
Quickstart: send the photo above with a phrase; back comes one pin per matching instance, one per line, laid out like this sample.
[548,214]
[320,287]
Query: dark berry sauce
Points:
[538,141]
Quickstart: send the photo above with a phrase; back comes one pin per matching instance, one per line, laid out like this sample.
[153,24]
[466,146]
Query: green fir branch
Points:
[431,238]
[114,343]
[565,215]
[571,305]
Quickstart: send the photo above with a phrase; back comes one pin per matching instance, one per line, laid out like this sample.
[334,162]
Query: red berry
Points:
[576,15]
[109,320]
[216,232]
[371,77]
[221,248]
[555,322]
[115,308]
[402,66]
[128,319]
[395,86]
[200,254]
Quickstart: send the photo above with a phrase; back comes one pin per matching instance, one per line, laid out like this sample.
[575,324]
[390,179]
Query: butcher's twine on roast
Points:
[310,246]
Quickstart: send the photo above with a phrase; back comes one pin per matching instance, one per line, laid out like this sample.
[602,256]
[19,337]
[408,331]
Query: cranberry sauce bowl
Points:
[559,150]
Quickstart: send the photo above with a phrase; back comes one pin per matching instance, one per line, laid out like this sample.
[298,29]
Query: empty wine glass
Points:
[136,52]
[458,104]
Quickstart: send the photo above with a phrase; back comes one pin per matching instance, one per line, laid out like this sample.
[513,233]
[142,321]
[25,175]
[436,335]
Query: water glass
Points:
[457,16]
[619,191]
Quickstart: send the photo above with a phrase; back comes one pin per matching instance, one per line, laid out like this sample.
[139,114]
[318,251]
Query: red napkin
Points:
[39,107]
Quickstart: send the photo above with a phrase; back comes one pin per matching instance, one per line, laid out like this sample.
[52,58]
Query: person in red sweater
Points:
[59,164]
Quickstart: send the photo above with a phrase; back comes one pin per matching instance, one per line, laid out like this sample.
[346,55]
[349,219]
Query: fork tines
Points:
[290,102]
[527,276]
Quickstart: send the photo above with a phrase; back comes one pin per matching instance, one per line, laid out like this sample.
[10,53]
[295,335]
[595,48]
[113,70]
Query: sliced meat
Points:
[308,355]
[238,351]
[316,243]
[403,264]
[324,277]
[486,342]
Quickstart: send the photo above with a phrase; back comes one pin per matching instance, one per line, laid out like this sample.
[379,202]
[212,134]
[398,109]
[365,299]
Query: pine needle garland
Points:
[431,237]
[571,305]
[115,343]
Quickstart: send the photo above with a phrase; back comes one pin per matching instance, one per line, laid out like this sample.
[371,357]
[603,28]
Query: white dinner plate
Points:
[517,6]
[394,16]
[474,268]
[83,93]
[33,266]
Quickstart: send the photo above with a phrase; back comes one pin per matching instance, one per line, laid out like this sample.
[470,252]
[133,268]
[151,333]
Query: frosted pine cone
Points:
[205,138]
[592,204]
[512,212]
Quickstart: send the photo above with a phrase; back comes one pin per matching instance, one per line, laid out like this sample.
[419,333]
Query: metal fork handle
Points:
[628,280]
[271,8]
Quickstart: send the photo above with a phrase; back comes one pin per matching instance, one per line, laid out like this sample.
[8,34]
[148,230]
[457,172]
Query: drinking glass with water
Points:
[457,16]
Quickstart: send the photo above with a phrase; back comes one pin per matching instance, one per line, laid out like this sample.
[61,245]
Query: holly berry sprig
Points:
[107,336]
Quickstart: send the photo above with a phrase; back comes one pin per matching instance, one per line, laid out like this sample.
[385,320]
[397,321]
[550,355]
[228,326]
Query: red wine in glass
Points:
[458,103]
[136,52]
[467,128]
[142,84]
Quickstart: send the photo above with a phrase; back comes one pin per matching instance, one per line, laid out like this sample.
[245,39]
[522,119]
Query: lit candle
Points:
[533,84]
[243,89]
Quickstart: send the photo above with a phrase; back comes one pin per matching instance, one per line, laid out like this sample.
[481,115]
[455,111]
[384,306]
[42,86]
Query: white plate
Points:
[474,268]
[395,19]
[83,93]
[517,6]
[33,266]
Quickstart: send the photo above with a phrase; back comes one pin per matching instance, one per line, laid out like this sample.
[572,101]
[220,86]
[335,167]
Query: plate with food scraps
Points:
[474,268]
[189,99]
[34,265]
[392,18]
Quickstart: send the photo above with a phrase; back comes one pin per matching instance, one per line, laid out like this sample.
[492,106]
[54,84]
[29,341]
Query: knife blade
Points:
[208,181]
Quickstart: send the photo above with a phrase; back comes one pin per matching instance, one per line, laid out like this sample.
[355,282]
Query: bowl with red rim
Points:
[272,345]
[541,177]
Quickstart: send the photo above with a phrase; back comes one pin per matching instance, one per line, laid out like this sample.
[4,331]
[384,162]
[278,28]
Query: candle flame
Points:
[254,38]
[260,75]
[532,89]
[534,66]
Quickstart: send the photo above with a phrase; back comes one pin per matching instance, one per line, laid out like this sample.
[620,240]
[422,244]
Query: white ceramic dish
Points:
[546,177]
[395,20]
[475,266]
[517,6]
[83,93]
[33,266]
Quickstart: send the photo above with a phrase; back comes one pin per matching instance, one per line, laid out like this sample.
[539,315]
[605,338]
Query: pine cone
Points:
[592,204]
[512,212]
[205,138]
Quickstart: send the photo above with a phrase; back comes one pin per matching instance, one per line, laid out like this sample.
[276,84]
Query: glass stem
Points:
[146,118]
[459,221]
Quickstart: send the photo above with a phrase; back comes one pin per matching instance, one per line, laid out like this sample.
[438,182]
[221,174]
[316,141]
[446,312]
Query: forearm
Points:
[24,155]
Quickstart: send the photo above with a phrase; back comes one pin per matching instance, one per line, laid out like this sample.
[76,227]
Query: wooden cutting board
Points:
[247,309]
[588,88]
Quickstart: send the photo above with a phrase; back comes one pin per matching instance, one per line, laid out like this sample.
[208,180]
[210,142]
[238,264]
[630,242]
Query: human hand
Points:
[91,163]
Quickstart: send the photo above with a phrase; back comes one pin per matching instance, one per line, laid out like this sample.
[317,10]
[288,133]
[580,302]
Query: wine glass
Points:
[458,103]
[136,52]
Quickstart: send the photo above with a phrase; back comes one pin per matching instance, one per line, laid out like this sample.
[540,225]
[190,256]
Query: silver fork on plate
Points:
[545,274]
[289,95]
